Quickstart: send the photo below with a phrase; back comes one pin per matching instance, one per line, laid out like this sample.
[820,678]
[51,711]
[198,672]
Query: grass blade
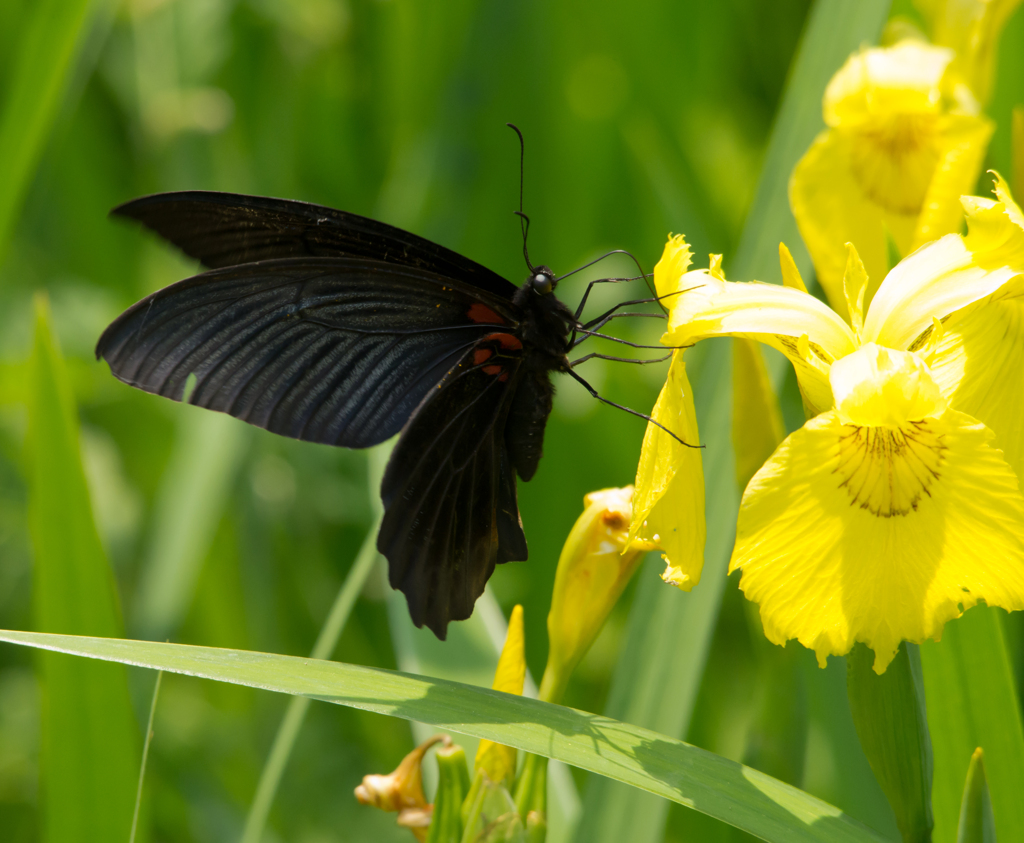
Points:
[972,702]
[669,768]
[145,756]
[51,38]
[89,756]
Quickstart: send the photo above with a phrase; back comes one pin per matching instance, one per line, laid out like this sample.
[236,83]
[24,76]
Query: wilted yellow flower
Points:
[495,759]
[596,563]
[402,790]
[901,147]
[892,510]
[971,29]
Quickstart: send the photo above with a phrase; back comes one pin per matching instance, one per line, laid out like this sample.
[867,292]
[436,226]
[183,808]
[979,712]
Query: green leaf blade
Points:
[972,702]
[50,41]
[889,713]
[977,825]
[738,795]
[89,760]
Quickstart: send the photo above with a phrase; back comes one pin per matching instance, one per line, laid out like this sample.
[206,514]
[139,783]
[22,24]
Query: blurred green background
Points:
[639,120]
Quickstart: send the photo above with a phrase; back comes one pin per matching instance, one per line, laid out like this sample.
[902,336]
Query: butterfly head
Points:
[542,282]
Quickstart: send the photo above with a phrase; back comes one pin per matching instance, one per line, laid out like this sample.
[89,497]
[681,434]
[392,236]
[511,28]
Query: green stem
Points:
[145,756]
[290,726]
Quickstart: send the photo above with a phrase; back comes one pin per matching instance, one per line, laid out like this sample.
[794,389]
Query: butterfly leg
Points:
[629,410]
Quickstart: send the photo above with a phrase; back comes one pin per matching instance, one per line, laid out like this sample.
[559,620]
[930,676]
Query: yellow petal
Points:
[668,504]
[777,316]
[878,82]
[979,363]
[790,273]
[757,427]
[832,210]
[995,228]
[933,282]
[497,760]
[855,286]
[879,534]
[878,386]
[964,143]
[675,260]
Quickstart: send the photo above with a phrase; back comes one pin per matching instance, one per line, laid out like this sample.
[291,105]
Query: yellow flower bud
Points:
[596,563]
[495,759]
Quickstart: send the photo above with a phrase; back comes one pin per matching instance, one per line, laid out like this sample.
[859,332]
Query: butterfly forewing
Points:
[226,229]
[330,327]
[332,350]
[449,490]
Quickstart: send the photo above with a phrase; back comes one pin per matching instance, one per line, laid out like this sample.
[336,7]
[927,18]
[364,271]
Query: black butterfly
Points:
[330,327]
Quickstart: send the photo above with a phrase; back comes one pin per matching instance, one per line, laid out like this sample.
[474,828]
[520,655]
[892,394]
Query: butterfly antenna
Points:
[524,221]
[629,410]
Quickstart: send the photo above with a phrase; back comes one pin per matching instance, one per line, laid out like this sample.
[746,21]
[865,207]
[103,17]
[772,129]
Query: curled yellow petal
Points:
[950,273]
[879,534]
[497,760]
[675,261]
[668,504]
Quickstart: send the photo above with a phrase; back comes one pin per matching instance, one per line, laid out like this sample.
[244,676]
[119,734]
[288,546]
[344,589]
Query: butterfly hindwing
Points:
[226,229]
[449,490]
[333,350]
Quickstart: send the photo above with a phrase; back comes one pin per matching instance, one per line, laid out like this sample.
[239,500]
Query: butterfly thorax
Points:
[546,321]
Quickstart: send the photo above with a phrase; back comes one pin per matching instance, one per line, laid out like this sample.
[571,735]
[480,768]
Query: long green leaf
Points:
[661,765]
[889,712]
[89,762]
[972,702]
[51,38]
[835,28]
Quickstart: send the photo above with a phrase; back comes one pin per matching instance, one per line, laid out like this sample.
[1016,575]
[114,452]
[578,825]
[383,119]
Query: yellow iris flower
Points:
[897,506]
[903,143]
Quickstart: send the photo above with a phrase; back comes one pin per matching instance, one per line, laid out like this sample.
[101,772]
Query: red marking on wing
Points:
[481,354]
[483,314]
[491,370]
[508,341]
